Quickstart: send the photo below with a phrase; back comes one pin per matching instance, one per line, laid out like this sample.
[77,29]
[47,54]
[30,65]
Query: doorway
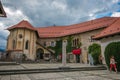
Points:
[78,58]
[39,54]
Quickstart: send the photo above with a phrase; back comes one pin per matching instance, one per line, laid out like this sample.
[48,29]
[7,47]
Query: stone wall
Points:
[20,36]
[84,38]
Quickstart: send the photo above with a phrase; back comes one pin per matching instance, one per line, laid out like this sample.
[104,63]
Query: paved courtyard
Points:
[76,75]
[41,66]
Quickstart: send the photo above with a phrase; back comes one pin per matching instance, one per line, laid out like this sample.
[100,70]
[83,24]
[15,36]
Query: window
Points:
[13,44]
[20,36]
[44,43]
[27,44]
[90,39]
[52,43]
[46,55]
[75,42]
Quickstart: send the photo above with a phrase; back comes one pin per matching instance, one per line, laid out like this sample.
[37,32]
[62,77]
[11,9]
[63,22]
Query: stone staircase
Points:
[50,70]
[8,63]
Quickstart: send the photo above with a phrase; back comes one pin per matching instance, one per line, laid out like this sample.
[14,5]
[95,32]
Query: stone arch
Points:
[39,54]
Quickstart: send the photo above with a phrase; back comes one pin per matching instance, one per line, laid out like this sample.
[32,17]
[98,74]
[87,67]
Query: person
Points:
[100,59]
[91,61]
[112,64]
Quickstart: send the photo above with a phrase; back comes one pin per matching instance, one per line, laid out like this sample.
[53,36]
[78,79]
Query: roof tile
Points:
[59,31]
[111,30]
[22,24]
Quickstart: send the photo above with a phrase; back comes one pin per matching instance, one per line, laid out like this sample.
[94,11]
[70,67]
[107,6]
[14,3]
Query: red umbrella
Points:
[76,51]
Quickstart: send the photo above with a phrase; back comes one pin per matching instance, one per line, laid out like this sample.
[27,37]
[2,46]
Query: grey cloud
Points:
[41,12]
[44,13]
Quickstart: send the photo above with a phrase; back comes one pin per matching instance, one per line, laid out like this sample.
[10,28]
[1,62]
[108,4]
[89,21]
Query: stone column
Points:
[64,53]
[102,52]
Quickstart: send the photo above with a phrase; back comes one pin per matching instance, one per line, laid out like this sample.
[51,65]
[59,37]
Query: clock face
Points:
[20,36]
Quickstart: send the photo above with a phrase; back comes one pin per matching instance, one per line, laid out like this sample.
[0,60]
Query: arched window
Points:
[27,44]
[13,44]
[75,42]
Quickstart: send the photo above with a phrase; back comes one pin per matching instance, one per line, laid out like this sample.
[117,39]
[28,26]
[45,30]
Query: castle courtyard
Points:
[74,75]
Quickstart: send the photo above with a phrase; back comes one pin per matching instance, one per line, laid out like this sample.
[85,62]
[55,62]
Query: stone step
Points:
[8,63]
[50,70]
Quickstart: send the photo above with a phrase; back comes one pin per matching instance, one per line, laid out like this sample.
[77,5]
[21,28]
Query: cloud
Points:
[59,12]
[115,14]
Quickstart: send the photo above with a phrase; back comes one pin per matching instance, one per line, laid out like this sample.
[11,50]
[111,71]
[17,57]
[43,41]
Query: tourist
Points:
[100,59]
[113,64]
[91,61]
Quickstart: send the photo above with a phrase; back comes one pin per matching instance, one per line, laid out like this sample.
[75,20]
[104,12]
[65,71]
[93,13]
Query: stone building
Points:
[34,42]
[108,35]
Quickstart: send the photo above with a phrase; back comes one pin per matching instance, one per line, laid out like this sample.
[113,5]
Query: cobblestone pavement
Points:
[41,66]
[11,67]
[78,75]
[53,65]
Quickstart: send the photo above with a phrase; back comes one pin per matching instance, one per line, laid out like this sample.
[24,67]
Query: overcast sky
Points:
[41,13]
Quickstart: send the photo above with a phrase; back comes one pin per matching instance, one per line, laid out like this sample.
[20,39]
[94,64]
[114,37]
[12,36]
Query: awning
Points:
[76,51]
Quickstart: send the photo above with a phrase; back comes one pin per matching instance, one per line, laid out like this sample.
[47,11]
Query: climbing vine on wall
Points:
[57,48]
[69,44]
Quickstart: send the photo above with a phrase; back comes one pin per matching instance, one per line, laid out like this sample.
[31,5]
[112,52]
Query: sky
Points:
[43,13]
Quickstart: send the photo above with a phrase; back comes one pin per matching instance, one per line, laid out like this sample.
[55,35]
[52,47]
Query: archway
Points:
[39,54]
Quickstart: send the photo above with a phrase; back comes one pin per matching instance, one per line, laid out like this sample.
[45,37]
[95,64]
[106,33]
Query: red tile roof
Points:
[22,24]
[59,31]
[111,30]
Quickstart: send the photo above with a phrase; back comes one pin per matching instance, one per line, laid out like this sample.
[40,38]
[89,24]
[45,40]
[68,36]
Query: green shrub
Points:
[95,51]
[113,49]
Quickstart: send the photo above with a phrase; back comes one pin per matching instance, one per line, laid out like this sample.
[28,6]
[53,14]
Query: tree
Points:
[113,49]
[95,51]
